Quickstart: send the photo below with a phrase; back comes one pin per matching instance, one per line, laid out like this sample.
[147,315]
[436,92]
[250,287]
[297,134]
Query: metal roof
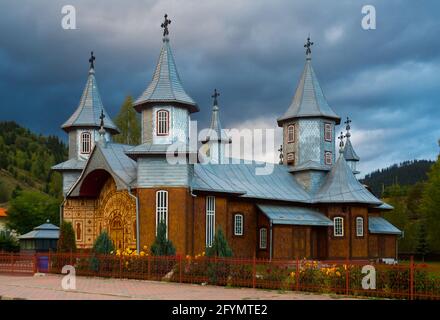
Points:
[380,225]
[215,129]
[310,165]
[243,179]
[349,153]
[44,231]
[385,206]
[309,100]
[341,186]
[166,86]
[71,164]
[89,109]
[120,164]
[294,215]
[158,149]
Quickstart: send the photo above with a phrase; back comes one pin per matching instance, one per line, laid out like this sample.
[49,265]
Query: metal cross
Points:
[347,122]
[165,25]
[92,60]
[341,138]
[102,116]
[280,150]
[308,45]
[215,96]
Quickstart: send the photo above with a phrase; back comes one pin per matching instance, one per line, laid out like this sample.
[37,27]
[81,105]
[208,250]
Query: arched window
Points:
[238,224]
[210,220]
[359,227]
[86,142]
[338,226]
[162,208]
[162,122]
[328,158]
[263,238]
[291,133]
[328,132]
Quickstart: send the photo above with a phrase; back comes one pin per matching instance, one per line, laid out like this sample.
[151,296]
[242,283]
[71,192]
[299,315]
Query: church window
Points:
[162,122]
[291,158]
[161,208]
[359,226]
[328,158]
[338,227]
[238,224]
[263,238]
[210,220]
[291,133]
[328,132]
[86,142]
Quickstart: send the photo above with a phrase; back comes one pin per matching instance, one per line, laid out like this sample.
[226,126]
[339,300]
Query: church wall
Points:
[291,242]
[81,213]
[156,171]
[178,213]
[73,146]
[292,146]
[147,125]
[359,245]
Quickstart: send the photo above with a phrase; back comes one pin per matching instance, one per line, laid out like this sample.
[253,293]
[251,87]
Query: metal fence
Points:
[401,281]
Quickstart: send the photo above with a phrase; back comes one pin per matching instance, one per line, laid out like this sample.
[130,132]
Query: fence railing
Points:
[401,281]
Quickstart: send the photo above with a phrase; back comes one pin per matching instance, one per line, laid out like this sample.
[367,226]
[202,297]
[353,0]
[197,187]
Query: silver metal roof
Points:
[89,109]
[385,206]
[44,231]
[341,186]
[294,215]
[309,100]
[158,149]
[215,129]
[242,179]
[380,225]
[71,164]
[310,165]
[166,86]
[349,153]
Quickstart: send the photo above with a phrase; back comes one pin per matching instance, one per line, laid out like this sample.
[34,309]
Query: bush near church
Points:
[103,246]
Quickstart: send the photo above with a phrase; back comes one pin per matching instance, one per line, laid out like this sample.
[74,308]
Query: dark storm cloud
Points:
[252,50]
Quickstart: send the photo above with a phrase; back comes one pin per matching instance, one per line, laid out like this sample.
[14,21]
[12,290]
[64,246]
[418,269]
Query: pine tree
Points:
[162,246]
[128,123]
[66,242]
[103,244]
[422,243]
[220,247]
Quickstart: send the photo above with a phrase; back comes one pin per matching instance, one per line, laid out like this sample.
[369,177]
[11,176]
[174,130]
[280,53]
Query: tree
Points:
[128,123]
[220,247]
[103,244]
[4,193]
[422,243]
[8,242]
[162,246]
[430,206]
[30,209]
[66,242]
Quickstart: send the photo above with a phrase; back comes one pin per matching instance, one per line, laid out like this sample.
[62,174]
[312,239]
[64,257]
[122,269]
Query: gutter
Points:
[138,240]
[270,237]
[62,210]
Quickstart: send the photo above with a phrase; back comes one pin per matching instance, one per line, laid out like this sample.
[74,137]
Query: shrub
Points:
[162,246]
[103,246]
[8,242]
[66,242]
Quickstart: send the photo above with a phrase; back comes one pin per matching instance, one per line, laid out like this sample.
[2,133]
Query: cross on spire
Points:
[92,60]
[347,127]
[341,143]
[308,45]
[280,150]
[215,96]
[165,25]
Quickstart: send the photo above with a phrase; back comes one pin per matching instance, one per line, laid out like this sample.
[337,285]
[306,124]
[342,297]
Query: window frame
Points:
[162,129]
[86,142]
[291,139]
[262,244]
[241,233]
[210,221]
[328,129]
[162,209]
[330,155]
[291,161]
[341,219]
[360,223]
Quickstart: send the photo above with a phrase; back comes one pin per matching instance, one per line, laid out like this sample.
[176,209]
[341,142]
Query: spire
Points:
[215,96]
[309,100]
[166,85]
[349,153]
[215,128]
[90,106]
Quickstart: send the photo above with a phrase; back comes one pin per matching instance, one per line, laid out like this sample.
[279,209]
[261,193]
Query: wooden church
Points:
[310,206]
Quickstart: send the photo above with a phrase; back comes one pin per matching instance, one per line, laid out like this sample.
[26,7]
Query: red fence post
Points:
[297,274]
[411,278]
[347,277]
[35,263]
[48,262]
[254,272]
[180,268]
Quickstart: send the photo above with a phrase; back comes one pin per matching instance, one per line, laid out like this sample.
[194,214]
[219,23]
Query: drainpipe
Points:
[62,210]
[270,237]
[138,240]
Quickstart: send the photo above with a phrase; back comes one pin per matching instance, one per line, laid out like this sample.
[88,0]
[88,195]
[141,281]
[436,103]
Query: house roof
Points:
[3,213]
[44,231]
[89,109]
[309,99]
[166,85]
[349,153]
[341,186]
[71,164]
[380,225]
[294,215]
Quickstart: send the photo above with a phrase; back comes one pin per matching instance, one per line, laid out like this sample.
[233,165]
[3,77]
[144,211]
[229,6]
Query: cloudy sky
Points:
[387,80]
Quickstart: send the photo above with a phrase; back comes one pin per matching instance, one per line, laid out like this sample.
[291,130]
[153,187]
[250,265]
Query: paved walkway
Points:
[48,287]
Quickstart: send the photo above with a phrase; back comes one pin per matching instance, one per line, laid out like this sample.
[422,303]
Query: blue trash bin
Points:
[43,263]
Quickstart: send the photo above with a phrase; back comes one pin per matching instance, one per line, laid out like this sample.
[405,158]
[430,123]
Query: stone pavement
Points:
[48,287]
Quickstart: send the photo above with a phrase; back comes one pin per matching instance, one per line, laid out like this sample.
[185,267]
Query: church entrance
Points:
[117,233]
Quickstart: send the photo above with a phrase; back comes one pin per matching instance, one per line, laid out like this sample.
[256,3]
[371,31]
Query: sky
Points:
[386,80]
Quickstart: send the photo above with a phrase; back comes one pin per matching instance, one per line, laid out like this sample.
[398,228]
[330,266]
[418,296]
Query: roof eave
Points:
[139,105]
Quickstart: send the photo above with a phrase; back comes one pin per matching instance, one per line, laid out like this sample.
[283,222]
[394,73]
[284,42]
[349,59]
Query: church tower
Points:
[216,139]
[349,154]
[309,123]
[83,128]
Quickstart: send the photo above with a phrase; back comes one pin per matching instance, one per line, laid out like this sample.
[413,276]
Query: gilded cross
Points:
[92,60]
[308,45]
[215,96]
[165,25]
